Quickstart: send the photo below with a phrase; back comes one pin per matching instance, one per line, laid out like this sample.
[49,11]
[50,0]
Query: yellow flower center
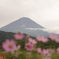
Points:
[10,46]
[28,46]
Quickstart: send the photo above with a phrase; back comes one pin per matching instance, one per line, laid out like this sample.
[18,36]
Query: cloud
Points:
[49,30]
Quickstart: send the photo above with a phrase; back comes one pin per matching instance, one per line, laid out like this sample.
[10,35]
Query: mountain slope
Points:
[22,24]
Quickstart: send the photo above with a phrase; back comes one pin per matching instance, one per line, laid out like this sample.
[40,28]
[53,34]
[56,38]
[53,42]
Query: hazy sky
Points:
[44,12]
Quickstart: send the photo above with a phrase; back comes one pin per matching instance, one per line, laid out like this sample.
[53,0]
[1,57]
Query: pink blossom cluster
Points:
[46,52]
[54,38]
[11,46]
[42,39]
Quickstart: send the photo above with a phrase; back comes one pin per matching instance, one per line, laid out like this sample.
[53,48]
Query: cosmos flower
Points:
[42,39]
[39,50]
[19,36]
[10,46]
[44,52]
[29,46]
[54,37]
[57,40]
[38,38]
[33,41]
[58,49]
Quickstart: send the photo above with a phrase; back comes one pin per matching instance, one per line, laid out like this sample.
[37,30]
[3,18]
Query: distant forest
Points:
[6,35]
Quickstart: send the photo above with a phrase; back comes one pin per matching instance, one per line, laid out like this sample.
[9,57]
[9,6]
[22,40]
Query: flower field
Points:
[25,47]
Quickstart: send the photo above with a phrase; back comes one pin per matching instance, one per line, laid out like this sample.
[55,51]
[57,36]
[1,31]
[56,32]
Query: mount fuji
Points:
[25,25]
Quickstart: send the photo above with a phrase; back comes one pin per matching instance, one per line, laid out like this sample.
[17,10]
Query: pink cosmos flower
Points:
[33,41]
[58,49]
[16,48]
[29,46]
[38,38]
[15,52]
[57,40]
[42,39]
[45,52]
[54,37]
[19,36]
[39,50]
[10,46]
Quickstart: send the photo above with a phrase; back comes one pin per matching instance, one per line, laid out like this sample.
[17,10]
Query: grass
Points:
[27,55]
